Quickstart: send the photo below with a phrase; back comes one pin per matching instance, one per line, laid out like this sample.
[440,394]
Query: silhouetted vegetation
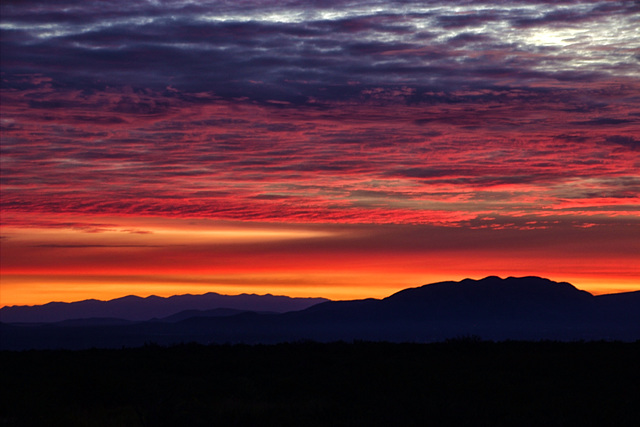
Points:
[462,381]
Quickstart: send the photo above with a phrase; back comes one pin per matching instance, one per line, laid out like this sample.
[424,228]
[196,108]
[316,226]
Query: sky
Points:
[316,148]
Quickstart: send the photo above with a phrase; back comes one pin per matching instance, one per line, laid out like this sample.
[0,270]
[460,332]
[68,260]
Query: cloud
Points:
[388,112]
[56,246]
[295,50]
[627,141]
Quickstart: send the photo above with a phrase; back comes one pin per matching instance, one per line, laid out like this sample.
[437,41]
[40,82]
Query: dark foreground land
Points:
[460,382]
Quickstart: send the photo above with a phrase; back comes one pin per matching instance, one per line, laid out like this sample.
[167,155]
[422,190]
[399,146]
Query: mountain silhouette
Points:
[215,312]
[491,297]
[526,308]
[529,308]
[139,309]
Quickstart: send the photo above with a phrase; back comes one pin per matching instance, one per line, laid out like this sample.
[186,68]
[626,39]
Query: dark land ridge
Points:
[137,308]
[527,308]
[460,382]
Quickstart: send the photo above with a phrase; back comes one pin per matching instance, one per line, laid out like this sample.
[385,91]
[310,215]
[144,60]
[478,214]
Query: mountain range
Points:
[137,308]
[526,308]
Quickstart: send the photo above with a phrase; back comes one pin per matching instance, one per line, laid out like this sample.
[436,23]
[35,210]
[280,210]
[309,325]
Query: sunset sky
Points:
[316,148]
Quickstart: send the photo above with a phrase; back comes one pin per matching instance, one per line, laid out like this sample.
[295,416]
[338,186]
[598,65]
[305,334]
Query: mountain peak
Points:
[529,289]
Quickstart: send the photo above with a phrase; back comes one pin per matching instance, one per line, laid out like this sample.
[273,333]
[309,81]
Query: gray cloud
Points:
[295,51]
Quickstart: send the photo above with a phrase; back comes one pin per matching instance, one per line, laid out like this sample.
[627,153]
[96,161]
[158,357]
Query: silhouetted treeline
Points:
[459,382]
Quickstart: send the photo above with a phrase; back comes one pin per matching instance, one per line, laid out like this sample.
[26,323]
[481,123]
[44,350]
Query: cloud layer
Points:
[433,112]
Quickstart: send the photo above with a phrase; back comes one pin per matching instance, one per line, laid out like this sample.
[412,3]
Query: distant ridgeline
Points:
[528,308]
[153,307]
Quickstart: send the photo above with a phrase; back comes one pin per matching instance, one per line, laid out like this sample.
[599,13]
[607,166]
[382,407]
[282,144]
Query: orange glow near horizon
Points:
[41,289]
[165,257]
